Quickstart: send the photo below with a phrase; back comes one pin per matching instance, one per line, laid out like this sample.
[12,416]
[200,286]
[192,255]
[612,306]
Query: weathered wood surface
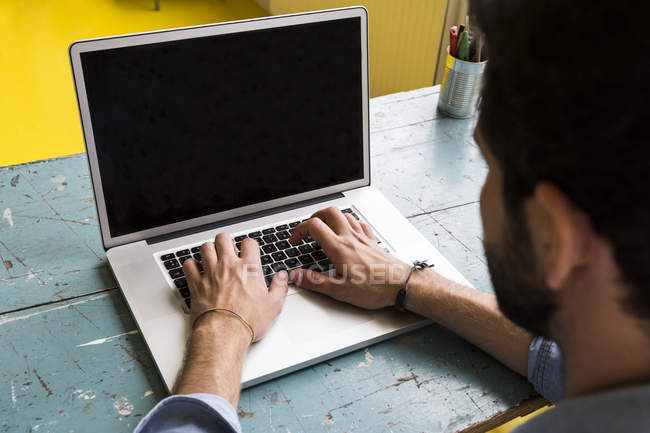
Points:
[73,360]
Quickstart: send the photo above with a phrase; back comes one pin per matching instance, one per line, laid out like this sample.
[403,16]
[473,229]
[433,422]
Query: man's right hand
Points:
[367,276]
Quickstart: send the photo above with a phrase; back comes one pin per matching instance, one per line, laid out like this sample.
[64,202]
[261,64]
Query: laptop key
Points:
[292,263]
[269,248]
[278,256]
[185,292]
[180,283]
[294,224]
[282,227]
[269,239]
[176,273]
[283,235]
[316,246]
[277,267]
[197,257]
[318,255]
[266,260]
[171,264]
[292,252]
[307,239]
[181,260]
[238,246]
[182,253]
[267,270]
[195,249]
[348,210]
[255,234]
[268,279]
[259,241]
[282,245]
[268,231]
[305,249]
[325,265]
[306,259]
[240,238]
[166,257]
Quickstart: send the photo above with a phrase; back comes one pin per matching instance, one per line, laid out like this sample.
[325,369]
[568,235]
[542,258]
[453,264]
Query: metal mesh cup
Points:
[461,87]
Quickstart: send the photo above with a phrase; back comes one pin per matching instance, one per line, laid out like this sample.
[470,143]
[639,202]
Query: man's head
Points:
[563,123]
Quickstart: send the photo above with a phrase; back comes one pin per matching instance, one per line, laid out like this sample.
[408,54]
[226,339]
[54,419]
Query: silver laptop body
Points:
[236,127]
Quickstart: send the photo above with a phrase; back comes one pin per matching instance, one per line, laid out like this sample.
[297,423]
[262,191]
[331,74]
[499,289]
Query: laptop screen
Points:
[193,127]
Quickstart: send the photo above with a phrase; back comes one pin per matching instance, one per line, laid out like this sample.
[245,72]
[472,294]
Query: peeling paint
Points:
[123,406]
[84,395]
[369,358]
[61,180]
[7,215]
[107,339]
[43,384]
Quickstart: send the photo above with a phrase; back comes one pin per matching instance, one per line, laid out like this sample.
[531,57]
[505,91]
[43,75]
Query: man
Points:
[566,218]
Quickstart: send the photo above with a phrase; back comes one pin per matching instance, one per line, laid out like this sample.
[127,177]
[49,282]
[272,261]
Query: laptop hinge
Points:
[235,220]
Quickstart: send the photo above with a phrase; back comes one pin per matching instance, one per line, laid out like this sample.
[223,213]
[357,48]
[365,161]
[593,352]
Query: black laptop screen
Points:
[193,127]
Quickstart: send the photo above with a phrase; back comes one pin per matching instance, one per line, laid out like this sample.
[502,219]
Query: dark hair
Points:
[566,100]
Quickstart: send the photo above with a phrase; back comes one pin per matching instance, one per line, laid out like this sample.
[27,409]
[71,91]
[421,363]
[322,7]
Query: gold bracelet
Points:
[234,313]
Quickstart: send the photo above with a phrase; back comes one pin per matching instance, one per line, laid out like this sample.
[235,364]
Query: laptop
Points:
[245,127]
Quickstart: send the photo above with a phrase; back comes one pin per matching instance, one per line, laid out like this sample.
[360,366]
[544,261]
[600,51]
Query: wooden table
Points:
[72,358]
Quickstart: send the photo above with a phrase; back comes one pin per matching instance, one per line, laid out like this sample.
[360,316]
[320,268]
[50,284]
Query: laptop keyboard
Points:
[276,254]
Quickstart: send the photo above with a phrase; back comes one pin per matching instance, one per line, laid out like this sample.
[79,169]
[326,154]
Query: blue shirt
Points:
[202,413]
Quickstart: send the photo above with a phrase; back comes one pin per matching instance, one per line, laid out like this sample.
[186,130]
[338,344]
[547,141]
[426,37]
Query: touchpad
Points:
[307,315]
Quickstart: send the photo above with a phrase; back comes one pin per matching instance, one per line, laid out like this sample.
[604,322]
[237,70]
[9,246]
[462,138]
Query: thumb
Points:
[279,286]
[317,282]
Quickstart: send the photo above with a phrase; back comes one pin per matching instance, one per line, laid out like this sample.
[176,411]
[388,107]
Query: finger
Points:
[368,231]
[208,255]
[192,273]
[250,250]
[317,229]
[225,248]
[334,218]
[353,223]
[317,282]
[278,288]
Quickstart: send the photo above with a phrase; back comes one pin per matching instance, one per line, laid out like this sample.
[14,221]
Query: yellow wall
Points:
[404,38]
[38,109]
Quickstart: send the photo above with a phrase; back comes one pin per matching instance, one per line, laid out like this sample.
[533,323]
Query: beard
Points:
[519,284]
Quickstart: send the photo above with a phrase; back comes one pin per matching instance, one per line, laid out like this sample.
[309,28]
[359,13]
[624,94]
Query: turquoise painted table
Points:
[72,359]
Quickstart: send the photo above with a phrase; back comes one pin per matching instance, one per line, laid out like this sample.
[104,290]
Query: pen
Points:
[453,36]
[463,46]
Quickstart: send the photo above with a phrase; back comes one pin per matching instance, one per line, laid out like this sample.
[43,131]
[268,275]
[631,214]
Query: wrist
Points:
[420,281]
[223,326]
[395,282]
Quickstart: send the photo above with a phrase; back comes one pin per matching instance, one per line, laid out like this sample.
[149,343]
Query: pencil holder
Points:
[461,87]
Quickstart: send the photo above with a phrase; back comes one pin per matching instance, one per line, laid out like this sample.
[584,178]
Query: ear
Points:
[568,236]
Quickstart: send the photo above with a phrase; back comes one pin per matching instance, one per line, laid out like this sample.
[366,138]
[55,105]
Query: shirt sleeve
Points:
[546,369]
[191,413]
